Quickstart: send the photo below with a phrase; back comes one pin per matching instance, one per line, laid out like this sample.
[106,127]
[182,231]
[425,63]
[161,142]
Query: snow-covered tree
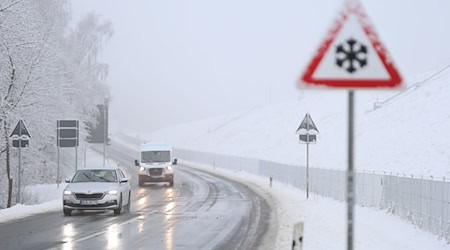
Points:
[47,72]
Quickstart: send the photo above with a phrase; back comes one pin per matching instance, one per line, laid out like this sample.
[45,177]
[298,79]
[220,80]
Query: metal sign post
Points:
[20,161]
[57,168]
[350,172]
[105,128]
[308,134]
[85,153]
[307,170]
[351,57]
[76,159]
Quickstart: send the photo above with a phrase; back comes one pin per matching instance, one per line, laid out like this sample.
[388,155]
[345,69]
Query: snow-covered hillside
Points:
[407,135]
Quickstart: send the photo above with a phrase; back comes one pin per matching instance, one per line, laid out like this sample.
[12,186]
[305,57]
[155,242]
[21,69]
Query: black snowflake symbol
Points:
[352,52]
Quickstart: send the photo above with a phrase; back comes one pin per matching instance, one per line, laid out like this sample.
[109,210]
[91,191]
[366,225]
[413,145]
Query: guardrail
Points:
[423,202]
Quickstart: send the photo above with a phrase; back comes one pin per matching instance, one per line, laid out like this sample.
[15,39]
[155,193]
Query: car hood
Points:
[92,187]
[156,165]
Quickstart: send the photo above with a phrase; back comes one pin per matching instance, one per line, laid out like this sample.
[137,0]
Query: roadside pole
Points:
[85,152]
[20,163]
[307,170]
[350,172]
[105,128]
[307,159]
[76,159]
[57,167]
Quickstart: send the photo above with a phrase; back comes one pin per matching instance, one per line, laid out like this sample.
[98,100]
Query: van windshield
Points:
[155,156]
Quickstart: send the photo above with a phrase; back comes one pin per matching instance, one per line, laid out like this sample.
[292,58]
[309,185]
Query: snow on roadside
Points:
[325,223]
[20,211]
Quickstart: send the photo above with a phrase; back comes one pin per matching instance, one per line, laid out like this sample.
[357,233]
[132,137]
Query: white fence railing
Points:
[424,202]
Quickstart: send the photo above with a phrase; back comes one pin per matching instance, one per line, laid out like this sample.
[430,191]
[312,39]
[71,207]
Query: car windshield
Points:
[98,175]
[155,156]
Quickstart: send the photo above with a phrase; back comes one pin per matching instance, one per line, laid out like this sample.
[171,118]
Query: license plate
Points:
[87,202]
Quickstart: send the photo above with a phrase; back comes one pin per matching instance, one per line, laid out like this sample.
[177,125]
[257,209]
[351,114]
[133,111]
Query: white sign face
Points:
[358,56]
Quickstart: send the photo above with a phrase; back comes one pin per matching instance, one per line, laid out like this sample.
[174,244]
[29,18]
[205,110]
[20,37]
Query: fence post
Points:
[396,191]
[420,197]
[442,208]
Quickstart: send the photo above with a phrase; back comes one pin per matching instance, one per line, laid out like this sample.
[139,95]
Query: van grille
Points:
[155,171]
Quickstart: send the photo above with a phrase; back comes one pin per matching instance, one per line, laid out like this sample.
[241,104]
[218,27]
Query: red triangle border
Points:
[307,79]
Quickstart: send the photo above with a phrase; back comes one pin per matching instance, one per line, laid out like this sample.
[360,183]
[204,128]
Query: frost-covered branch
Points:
[10,5]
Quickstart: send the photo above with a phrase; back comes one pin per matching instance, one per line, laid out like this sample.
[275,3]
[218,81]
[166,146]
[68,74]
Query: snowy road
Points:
[201,211]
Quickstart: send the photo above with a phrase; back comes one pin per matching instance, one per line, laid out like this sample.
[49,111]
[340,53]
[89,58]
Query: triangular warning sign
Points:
[351,56]
[20,130]
[307,125]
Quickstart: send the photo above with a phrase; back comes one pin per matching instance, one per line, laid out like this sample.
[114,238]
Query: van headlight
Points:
[113,192]
[169,168]
[67,192]
[141,169]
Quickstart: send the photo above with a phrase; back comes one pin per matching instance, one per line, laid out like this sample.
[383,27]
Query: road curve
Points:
[201,211]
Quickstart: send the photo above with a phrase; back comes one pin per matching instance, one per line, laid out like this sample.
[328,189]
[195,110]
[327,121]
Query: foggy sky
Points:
[178,61]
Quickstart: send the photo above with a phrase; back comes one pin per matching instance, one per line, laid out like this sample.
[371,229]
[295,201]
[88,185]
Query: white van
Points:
[155,163]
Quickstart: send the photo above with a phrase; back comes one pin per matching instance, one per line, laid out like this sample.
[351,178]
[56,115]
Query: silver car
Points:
[97,189]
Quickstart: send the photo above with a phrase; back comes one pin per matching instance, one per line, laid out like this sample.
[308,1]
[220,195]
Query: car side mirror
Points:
[67,180]
[136,163]
[174,161]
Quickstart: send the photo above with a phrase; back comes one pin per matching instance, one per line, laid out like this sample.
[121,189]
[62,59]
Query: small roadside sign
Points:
[22,143]
[307,130]
[351,56]
[20,135]
[20,131]
[67,136]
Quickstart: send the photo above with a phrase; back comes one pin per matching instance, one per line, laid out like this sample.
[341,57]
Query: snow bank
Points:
[46,198]
[325,222]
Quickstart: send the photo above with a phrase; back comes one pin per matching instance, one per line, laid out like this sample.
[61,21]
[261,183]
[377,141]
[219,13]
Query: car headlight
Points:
[67,192]
[113,192]
[141,168]
[169,167]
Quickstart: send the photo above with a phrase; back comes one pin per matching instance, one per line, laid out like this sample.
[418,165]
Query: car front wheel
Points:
[129,202]
[119,208]
[67,212]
